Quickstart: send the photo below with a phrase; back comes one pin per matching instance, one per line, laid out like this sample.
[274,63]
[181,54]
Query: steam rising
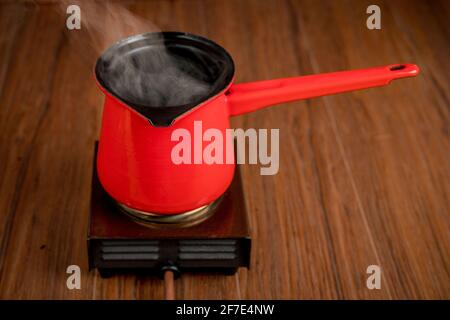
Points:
[156,77]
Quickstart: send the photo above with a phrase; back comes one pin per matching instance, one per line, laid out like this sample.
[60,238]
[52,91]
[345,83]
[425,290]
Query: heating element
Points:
[118,243]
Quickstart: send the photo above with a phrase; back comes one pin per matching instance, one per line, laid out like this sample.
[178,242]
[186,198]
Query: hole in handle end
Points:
[397,67]
[404,70]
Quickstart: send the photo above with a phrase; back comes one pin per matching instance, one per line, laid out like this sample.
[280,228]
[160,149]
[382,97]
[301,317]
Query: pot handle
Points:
[251,96]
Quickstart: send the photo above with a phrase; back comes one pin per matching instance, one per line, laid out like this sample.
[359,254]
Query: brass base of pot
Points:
[184,219]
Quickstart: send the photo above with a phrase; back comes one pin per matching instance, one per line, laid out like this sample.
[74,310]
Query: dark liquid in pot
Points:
[160,77]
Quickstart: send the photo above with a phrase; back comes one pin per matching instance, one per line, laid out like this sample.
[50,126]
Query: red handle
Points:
[248,97]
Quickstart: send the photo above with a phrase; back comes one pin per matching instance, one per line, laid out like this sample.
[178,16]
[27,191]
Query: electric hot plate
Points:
[119,243]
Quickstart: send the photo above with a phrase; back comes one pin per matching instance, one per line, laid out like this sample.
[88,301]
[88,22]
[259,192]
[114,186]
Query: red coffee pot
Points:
[134,156]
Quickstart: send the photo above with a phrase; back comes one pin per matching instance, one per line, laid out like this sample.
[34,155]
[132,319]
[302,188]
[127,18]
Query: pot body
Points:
[135,164]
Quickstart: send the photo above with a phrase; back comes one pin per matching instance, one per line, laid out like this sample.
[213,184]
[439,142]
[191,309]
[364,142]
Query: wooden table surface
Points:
[363,179]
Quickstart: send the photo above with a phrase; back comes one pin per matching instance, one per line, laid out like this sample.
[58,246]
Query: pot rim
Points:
[178,111]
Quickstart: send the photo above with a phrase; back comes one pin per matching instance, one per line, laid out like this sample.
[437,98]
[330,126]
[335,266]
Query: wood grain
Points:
[364,176]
